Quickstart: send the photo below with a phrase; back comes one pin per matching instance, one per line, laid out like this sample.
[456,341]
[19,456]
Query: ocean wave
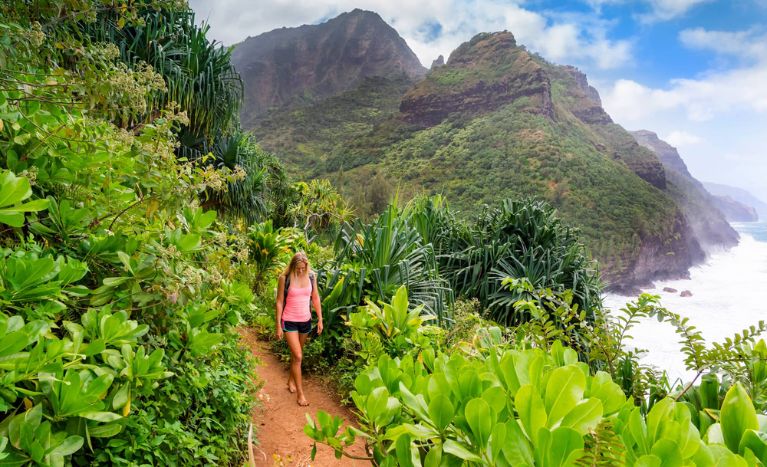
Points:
[726,298]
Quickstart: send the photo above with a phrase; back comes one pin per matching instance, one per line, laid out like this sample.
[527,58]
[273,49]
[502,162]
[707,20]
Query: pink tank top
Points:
[296,307]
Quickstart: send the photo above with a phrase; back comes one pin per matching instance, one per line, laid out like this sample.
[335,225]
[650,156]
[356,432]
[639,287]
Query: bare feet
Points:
[292,387]
[302,401]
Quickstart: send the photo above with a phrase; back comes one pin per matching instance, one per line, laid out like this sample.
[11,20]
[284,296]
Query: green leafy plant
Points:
[374,260]
[14,190]
[392,329]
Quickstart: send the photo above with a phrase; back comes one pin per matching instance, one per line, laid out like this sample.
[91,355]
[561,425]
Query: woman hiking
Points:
[296,293]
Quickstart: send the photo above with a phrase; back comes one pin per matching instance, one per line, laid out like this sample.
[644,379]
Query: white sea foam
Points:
[729,293]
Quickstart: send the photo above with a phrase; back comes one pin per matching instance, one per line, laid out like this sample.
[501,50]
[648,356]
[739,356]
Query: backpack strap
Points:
[285,291]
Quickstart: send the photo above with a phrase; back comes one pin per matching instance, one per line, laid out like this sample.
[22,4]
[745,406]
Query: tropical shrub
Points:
[374,260]
[268,250]
[318,208]
[392,329]
[527,407]
[198,73]
[519,239]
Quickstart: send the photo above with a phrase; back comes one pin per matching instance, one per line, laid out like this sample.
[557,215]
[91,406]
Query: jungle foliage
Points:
[530,400]
[119,286]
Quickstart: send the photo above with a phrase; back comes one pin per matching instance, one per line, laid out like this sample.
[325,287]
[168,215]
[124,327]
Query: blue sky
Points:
[693,71]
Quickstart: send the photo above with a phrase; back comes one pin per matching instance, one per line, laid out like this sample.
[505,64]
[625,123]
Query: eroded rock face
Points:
[585,101]
[708,224]
[296,65]
[667,154]
[660,259]
[440,61]
[480,76]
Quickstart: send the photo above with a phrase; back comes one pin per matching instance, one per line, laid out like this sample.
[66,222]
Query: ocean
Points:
[729,293]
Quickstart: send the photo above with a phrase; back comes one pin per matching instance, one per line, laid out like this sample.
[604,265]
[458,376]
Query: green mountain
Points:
[494,121]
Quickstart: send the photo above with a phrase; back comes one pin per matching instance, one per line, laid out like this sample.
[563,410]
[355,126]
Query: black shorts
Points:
[301,327]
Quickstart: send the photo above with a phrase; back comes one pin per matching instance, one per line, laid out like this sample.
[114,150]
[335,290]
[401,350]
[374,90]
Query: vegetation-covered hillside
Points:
[497,121]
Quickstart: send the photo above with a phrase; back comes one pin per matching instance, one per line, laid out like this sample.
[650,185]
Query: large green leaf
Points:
[14,190]
[532,412]
[460,450]
[564,390]
[481,420]
[737,416]
[584,417]
[756,442]
[441,412]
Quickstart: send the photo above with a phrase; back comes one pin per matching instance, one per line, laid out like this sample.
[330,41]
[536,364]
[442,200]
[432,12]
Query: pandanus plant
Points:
[519,239]
[198,72]
[374,260]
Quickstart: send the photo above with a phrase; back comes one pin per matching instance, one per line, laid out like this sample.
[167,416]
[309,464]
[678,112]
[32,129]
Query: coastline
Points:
[724,299]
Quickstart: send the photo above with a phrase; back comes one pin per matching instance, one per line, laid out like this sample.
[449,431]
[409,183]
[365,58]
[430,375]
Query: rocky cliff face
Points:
[486,73]
[667,154]
[290,66]
[659,258]
[735,211]
[584,100]
[709,225]
[740,195]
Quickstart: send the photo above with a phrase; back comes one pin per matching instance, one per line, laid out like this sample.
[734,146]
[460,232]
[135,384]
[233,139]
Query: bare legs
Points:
[296,343]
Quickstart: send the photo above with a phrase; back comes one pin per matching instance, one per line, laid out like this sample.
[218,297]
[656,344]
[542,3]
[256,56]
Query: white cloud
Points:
[743,44]
[700,99]
[717,120]
[664,10]
[574,41]
[681,139]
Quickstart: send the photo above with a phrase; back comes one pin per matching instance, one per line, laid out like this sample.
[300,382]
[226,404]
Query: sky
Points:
[693,71]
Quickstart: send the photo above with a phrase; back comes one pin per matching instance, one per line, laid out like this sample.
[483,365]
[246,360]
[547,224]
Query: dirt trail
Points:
[279,420]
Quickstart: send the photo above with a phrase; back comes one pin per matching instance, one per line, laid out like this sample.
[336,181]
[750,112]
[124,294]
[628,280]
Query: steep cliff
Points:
[740,195]
[482,75]
[735,211]
[708,223]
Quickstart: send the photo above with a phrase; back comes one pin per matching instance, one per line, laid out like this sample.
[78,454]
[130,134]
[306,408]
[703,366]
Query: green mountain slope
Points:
[497,121]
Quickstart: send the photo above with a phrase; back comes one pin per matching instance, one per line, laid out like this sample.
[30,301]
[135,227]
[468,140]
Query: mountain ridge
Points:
[496,121]
[740,195]
[291,66]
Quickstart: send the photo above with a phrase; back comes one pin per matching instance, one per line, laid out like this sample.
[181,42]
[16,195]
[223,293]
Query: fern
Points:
[603,447]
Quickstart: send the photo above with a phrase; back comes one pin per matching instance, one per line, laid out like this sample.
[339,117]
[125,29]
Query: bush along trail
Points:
[121,277]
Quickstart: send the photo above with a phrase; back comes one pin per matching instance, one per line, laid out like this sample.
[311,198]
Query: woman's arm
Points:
[317,304]
[280,305]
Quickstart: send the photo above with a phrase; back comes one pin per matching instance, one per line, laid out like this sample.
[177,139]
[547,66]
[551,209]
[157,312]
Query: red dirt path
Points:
[279,421]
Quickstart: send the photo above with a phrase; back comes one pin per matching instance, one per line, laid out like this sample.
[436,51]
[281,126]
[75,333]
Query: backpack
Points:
[287,284]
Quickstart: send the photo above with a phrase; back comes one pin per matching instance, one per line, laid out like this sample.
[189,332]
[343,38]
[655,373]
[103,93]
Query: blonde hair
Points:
[299,257]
